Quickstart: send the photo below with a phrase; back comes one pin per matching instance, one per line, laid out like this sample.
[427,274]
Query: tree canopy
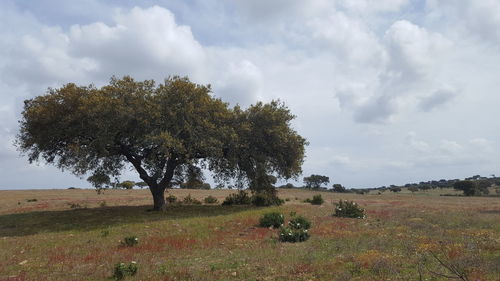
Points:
[316,181]
[161,130]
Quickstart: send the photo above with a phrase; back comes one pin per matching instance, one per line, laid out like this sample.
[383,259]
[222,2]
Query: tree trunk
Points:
[158,198]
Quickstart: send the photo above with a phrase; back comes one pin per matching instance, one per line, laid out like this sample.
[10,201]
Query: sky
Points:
[385,91]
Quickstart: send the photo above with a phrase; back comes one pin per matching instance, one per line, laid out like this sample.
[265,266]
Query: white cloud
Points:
[437,99]
[372,6]
[358,74]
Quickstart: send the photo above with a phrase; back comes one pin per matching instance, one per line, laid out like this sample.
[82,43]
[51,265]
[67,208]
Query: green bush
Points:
[349,209]
[239,198]
[130,241]
[273,219]
[188,200]
[266,199]
[210,200]
[299,222]
[122,270]
[171,199]
[290,234]
[317,200]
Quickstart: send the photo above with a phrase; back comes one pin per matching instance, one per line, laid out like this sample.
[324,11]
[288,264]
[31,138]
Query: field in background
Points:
[75,234]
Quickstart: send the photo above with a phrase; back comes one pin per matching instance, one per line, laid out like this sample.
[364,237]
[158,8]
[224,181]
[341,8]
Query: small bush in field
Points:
[317,200]
[349,209]
[32,200]
[265,199]
[210,200]
[289,234]
[188,200]
[123,270]
[273,219]
[171,199]
[130,241]
[299,223]
[240,198]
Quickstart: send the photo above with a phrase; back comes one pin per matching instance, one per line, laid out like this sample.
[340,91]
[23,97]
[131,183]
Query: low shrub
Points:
[171,199]
[290,234]
[273,219]
[349,209]
[239,198]
[123,270]
[130,241]
[317,200]
[188,200]
[299,222]
[32,200]
[210,200]
[266,199]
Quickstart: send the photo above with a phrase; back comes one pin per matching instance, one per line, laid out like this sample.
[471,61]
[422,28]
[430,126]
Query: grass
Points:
[405,237]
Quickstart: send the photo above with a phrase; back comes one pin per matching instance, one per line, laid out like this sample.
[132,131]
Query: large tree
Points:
[161,130]
[316,181]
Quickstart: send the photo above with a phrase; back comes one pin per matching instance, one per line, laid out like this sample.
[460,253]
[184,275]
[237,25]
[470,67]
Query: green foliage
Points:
[317,200]
[267,147]
[316,181]
[188,200]
[141,184]
[299,222]
[126,184]
[99,180]
[193,177]
[162,130]
[296,231]
[239,198]
[339,188]
[130,241]
[413,189]
[210,200]
[349,209]
[123,270]
[473,187]
[273,219]
[288,185]
[288,234]
[32,200]
[266,199]
[171,199]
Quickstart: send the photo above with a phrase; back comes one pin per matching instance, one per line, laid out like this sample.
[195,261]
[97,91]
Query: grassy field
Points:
[75,235]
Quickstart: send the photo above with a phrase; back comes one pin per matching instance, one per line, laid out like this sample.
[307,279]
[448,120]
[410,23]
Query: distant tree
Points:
[395,189]
[467,186]
[339,188]
[483,185]
[413,188]
[159,129]
[192,178]
[126,184]
[141,184]
[316,181]
[288,185]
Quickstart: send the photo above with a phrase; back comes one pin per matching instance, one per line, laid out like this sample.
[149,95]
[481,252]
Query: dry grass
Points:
[405,237]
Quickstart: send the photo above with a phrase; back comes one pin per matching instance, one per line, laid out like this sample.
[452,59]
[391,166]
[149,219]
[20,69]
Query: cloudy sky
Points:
[385,91]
